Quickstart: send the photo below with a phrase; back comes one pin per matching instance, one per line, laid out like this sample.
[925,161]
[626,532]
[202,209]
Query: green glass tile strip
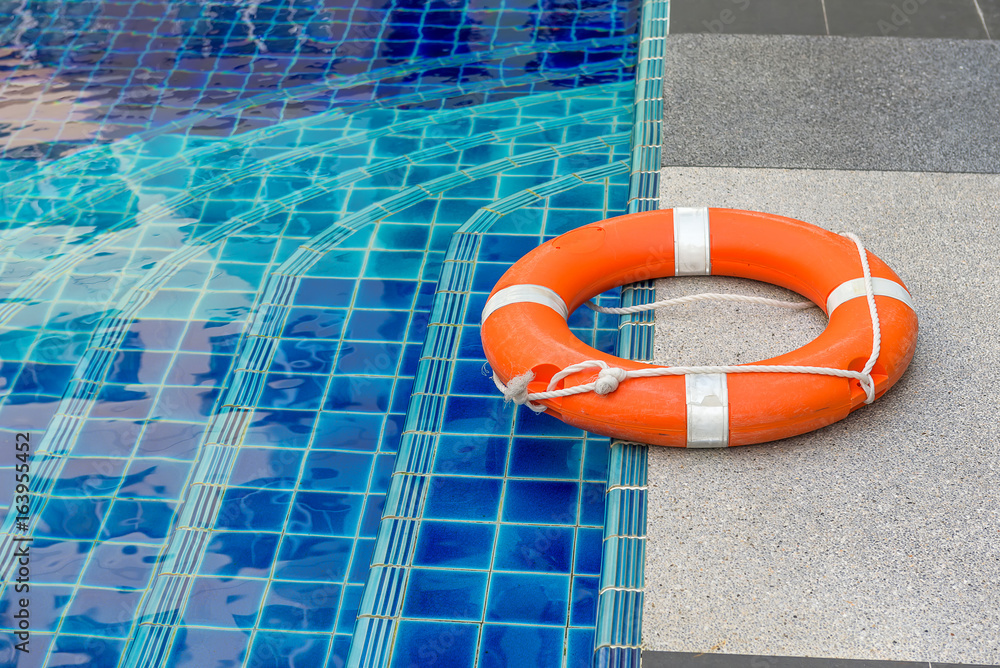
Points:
[619,612]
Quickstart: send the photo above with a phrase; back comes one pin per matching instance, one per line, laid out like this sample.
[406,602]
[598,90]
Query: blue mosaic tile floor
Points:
[244,247]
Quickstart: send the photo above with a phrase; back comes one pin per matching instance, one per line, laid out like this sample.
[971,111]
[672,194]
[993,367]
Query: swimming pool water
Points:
[244,250]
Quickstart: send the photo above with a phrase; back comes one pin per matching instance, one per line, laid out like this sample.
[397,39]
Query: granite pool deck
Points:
[877,538]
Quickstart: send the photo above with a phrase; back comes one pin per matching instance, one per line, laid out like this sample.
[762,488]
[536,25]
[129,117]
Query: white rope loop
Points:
[608,377]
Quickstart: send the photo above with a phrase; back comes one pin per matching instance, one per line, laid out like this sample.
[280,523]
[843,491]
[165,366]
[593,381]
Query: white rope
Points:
[608,377]
[707,296]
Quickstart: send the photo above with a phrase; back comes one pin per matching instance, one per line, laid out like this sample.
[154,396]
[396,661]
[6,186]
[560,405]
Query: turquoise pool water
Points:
[244,249]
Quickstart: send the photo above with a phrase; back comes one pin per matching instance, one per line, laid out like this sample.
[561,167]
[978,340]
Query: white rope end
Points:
[517,390]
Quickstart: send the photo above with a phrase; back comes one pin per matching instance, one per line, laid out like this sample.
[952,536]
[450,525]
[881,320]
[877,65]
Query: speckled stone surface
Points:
[877,537]
[832,103]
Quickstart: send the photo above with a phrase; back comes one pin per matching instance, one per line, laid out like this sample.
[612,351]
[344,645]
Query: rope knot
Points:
[517,388]
[868,385]
[608,379]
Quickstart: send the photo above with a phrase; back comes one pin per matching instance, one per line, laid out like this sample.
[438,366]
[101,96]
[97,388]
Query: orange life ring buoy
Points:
[524,326]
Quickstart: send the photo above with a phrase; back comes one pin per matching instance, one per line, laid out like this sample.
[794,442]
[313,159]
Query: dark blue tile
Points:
[325,292]
[349,431]
[282,428]
[445,594]
[132,367]
[122,566]
[528,598]
[305,356]
[314,323]
[123,401]
[425,294]
[288,650]
[229,647]
[325,513]
[470,344]
[76,518]
[224,602]
[209,336]
[589,548]
[401,395]
[410,358]
[361,561]
[300,606]
[253,509]
[199,369]
[275,468]
[349,608]
[506,248]
[154,334]
[359,393]
[592,500]
[472,377]
[471,455]
[161,439]
[595,460]
[138,521]
[585,591]
[392,432]
[372,515]
[101,612]
[58,561]
[239,553]
[474,309]
[545,458]
[419,643]
[331,470]
[323,559]
[545,549]
[417,330]
[154,478]
[540,502]
[388,294]
[91,651]
[381,471]
[580,648]
[478,415]
[285,390]
[370,325]
[44,379]
[462,498]
[368,358]
[542,424]
[502,646]
[185,404]
[90,476]
[454,544]
[487,275]
[339,650]
[249,249]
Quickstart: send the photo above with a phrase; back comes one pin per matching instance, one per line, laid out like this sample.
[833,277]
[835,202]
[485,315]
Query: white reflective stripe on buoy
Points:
[882,287]
[516,294]
[707,410]
[692,254]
